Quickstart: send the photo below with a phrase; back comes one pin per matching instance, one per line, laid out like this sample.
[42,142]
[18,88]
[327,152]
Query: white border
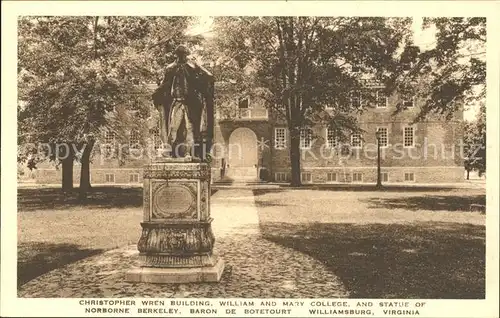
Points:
[12,306]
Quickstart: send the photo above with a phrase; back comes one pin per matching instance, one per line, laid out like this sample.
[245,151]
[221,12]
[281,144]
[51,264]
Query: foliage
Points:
[80,74]
[452,73]
[475,143]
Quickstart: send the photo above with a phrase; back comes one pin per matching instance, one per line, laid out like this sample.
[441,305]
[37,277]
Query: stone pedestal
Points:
[177,241]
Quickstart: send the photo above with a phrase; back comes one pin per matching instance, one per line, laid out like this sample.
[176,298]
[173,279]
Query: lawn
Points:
[395,244]
[55,230]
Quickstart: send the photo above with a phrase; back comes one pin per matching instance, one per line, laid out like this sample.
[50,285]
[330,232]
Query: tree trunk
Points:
[468,171]
[295,156]
[85,172]
[67,174]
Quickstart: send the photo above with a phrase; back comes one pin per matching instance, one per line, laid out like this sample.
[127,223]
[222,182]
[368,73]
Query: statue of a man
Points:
[185,103]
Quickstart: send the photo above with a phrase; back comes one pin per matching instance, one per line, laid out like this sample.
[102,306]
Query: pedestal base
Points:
[176,275]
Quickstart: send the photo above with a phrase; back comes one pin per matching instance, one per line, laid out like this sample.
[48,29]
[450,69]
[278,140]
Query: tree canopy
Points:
[300,65]
[77,75]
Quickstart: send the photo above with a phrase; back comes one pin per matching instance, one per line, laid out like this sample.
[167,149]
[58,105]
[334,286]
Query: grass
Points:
[420,243]
[56,229]
[385,244]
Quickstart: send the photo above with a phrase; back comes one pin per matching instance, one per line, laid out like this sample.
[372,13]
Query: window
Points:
[134,140]
[305,177]
[357,177]
[356,99]
[280,138]
[406,66]
[356,140]
[133,177]
[110,177]
[355,69]
[305,138]
[243,103]
[384,176]
[381,99]
[409,176]
[109,137]
[408,102]
[331,139]
[384,137]
[331,177]
[408,137]
[280,177]
[109,142]
[157,142]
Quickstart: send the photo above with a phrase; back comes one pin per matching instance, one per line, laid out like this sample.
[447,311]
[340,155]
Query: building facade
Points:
[252,139]
[251,143]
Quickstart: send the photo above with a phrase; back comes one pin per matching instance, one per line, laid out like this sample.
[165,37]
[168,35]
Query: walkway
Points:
[255,267]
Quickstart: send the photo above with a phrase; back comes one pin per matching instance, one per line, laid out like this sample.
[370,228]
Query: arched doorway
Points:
[242,155]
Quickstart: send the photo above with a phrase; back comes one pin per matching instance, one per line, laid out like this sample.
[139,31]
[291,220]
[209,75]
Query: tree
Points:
[475,143]
[73,71]
[452,73]
[299,65]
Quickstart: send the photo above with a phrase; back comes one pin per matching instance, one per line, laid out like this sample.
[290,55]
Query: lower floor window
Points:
[357,177]
[331,177]
[384,176]
[280,177]
[110,177]
[409,176]
[306,177]
[134,177]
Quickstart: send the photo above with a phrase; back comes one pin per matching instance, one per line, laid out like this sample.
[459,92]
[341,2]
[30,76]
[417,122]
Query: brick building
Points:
[249,138]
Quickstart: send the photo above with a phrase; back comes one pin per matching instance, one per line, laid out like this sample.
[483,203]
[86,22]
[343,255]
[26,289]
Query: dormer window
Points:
[409,102]
[243,103]
[406,66]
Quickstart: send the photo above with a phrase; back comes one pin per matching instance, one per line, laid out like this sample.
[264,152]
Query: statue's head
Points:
[181,52]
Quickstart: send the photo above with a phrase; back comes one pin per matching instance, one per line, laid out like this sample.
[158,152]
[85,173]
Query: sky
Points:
[425,39]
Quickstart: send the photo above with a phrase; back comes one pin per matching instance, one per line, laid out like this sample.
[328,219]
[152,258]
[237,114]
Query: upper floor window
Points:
[383,136]
[134,140]
[331,139]
[305,138]
[109,137]
[381,99]
[356,99]
[408,136]
[157,142]
[356,141]
[280,138]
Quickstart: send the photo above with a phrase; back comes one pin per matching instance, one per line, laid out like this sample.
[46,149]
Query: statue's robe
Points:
[200,102]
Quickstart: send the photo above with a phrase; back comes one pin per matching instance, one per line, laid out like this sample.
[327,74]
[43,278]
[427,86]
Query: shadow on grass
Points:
[422,260]
[356,187]
[428,202]
[98,198]
[37,258]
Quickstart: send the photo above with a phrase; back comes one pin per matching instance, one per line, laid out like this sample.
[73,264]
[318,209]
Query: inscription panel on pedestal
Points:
[174,199]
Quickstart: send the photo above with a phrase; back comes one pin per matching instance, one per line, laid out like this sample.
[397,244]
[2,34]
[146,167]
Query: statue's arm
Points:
[162,93]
